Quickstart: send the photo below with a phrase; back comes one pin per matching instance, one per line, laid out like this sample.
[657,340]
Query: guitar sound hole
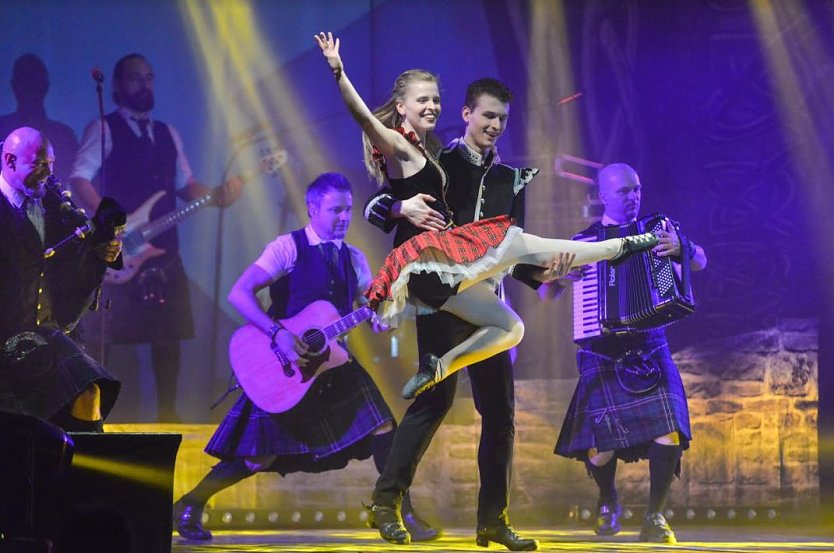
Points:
[315,340]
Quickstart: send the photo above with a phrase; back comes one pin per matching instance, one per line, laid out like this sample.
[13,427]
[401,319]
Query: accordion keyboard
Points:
[586,322]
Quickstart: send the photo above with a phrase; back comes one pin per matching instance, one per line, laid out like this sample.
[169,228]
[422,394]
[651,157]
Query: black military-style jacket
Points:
[479,188]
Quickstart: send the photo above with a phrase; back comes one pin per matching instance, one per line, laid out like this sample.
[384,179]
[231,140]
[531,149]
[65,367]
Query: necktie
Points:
[34,212]
[331,255]
[143,129]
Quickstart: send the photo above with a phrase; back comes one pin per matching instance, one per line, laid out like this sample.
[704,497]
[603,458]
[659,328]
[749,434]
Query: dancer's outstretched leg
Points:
[500,329]
[530,249]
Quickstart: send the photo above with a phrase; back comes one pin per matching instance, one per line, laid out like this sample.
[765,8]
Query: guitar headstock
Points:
[272,160]
[269,162]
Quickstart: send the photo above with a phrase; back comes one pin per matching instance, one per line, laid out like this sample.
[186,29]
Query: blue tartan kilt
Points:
[52,375]
[332,424]
[605,416]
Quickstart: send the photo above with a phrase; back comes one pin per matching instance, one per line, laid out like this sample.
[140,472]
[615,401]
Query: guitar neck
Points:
[154,228]
[346,323]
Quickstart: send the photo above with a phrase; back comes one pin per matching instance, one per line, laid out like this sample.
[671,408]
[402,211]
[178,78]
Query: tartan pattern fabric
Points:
[332,424]
[448,253]
[605,416]
[52,376]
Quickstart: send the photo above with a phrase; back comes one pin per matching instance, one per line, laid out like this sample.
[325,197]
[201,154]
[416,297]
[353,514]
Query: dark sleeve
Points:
[76,276]
[377,210]
[519,209]
[523,273]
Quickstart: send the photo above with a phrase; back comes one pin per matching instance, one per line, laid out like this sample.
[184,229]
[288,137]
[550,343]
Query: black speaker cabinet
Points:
[115,496]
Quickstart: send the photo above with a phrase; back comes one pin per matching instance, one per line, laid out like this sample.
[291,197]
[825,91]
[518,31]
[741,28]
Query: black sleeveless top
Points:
[428,180]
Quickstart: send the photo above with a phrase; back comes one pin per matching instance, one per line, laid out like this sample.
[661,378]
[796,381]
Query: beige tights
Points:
[500,327]
[529,249]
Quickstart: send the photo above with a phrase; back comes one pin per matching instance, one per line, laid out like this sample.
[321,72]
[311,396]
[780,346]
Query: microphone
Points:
[98,76]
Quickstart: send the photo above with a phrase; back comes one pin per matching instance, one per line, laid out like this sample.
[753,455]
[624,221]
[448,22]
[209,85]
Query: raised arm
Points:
[390,143]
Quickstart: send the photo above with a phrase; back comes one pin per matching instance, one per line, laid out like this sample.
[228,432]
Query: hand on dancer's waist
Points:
[416,210]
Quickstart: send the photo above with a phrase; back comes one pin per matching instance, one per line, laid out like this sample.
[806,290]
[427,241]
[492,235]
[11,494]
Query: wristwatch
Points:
[274,328]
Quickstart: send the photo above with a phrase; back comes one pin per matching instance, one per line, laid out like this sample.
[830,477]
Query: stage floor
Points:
[723,539]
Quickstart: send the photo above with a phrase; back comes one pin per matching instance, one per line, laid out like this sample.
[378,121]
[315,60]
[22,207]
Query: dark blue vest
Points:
[135,170]
[313,279]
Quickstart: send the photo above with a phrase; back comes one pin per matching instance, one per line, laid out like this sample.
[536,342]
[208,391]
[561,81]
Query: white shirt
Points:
[279,256]
[88,161]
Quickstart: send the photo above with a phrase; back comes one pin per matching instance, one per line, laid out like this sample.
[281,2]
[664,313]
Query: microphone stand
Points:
[99,78]
[218,258]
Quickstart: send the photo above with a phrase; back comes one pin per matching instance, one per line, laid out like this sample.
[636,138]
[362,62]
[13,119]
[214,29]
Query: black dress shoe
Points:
[426,377]
[189,520]
[608,520]
[506,536]
[656,529]
[419,528]
[389,523]
[636,243]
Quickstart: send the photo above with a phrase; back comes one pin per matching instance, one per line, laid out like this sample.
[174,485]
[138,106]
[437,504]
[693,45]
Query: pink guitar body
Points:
[268,379]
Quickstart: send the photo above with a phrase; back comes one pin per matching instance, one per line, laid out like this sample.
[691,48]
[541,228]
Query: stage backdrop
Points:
[720,105]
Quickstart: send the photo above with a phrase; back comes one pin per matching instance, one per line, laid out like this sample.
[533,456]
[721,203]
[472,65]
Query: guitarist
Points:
[144,156]
[343,416]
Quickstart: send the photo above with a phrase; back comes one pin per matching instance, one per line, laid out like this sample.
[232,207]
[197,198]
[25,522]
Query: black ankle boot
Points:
[637,243]
[419,529]
[425,378]
[189,521]
[608,520]
[389,523]
[506,536]
[656,529]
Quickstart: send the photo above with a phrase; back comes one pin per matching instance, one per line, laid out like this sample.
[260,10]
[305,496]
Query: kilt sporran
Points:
[637,372]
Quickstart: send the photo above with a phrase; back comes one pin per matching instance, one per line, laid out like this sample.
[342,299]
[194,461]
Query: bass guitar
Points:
[139,230]
[273,382]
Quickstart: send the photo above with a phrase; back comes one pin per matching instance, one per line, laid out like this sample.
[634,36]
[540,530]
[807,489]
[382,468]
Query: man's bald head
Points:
[27,160]
[619,192]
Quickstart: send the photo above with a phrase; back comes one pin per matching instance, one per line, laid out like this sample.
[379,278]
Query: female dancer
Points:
[447,269]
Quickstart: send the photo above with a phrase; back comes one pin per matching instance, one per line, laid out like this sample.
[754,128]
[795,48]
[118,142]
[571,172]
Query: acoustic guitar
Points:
[273,382]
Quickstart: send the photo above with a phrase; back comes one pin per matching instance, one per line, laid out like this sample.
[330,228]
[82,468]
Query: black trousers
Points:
[494,394]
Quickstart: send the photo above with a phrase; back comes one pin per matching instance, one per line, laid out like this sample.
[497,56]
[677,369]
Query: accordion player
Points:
[642,293]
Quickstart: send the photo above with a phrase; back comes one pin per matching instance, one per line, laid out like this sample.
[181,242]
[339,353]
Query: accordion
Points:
[639,294]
